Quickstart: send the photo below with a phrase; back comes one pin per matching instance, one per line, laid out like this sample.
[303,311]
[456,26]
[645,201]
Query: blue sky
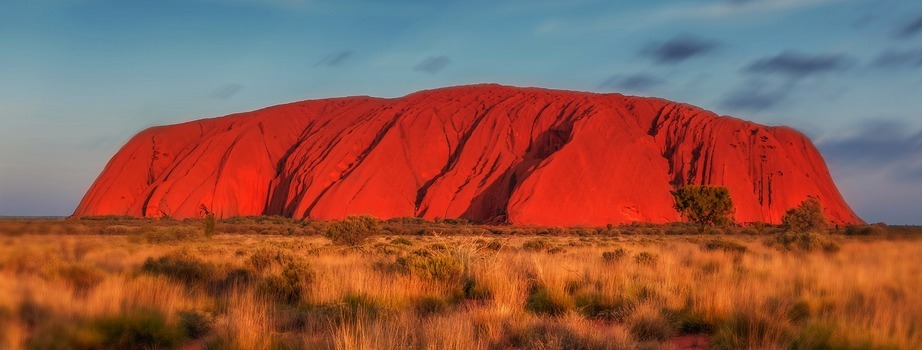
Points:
[79,77]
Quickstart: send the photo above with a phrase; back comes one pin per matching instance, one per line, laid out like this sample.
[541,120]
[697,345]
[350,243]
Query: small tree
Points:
[209,220]
[352,230]
[704,205]
[209,225]
[807,217]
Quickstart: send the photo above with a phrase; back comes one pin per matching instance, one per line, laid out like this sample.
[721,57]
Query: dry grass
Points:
[122,289]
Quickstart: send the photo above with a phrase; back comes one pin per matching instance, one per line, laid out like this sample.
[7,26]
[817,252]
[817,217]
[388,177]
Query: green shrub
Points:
[646,293]
[263,258]
[495,245]
[866,230]
[475,291]
[646,258]
[549,334]
[817,335]
[233,279]
[288,286]
[724,245]
[182,267]
[808,217]
[650,327]
[145,329]
[704,205]
[430,305]
[710,267]
[615,255]
[441,266]
[804,242]
[353,230]
[81,277]
[402,241]
[195,323]
[360,304]
[535,245]
[582,231]
[541,301]
[799,311]
[603,307]
[746,328]
[689,321]
[574,286]
[830,247]
[32,314]
[136,329]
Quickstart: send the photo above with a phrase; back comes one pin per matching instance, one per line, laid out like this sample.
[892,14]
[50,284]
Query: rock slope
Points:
[487,153]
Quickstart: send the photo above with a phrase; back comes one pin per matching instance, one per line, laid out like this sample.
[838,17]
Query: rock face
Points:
[487,153]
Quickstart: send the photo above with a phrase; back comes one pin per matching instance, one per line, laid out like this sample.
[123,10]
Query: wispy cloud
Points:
[225,91]
[911,58]
[911,28]
[432,65]
[678,49]
[798,65]
[879,145]
[635,83]
[756,95]
[878,166]
[774,79]
[334,59]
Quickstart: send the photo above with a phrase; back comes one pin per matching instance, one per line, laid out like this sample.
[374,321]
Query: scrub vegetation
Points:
[359,283]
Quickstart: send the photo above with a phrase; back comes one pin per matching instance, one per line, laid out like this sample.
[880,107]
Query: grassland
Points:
[271,283]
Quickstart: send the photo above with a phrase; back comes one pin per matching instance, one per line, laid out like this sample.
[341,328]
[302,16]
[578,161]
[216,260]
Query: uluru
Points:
[486,153]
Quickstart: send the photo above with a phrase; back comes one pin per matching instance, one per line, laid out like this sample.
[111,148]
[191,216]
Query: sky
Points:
[78,78]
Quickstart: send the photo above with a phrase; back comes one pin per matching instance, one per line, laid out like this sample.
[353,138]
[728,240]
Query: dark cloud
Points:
[877,141]
[797,65]
[226,91]
[899,59]
[678,49]
[879,169]
[910,29]
[756,96]
[334,59]
[636,82]
[432,65]
[879,145]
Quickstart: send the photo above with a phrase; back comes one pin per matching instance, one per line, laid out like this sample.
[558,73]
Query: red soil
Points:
[484,152]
